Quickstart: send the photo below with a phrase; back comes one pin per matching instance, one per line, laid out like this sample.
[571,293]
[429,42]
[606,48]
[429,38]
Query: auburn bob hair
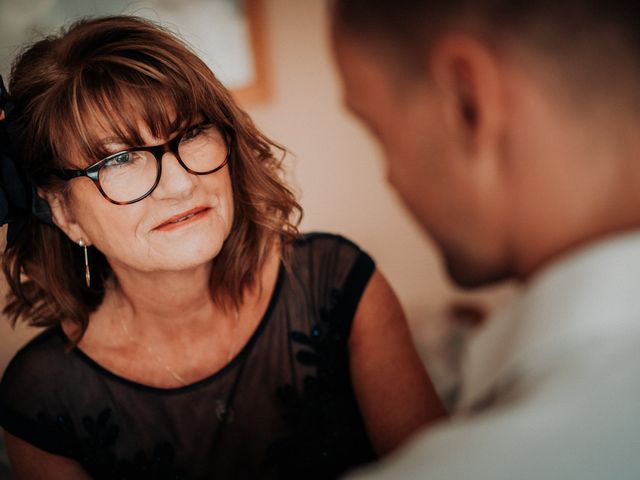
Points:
[115,72]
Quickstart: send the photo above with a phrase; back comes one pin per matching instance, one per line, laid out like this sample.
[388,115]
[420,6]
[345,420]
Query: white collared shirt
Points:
[551,388]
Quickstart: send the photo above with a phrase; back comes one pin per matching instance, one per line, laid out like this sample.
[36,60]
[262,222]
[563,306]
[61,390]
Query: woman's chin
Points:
[193,251]
[182,262]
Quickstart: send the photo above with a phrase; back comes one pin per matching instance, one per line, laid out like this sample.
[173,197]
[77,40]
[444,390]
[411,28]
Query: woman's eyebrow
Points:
[111,141]
[175,128]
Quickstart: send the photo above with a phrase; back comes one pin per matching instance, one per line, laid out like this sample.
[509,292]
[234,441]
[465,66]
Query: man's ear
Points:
[468,73]
[63,216]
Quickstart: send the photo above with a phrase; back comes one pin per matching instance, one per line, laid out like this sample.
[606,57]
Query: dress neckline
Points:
[203,381]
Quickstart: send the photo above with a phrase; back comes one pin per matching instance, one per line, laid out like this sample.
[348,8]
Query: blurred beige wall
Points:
[336,168]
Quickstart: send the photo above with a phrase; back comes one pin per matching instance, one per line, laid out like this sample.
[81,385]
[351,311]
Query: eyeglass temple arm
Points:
[67,174]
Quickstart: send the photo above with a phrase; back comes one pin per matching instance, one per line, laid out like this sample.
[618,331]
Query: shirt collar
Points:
[589,294]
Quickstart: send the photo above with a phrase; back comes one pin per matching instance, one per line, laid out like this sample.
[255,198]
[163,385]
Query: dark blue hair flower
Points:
[19,202]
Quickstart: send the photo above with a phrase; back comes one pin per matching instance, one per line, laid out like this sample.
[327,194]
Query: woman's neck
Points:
[171,306]
[158,307]
[163,296]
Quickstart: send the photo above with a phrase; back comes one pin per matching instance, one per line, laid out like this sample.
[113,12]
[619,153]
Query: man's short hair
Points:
[599,32]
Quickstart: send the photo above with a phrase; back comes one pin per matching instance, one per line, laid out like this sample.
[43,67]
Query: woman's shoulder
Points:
[330,263]
[36,388]
[44,347]
[325,240]
[324,244]
[36,365]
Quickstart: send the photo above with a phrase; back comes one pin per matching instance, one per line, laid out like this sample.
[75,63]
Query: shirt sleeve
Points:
[576,418]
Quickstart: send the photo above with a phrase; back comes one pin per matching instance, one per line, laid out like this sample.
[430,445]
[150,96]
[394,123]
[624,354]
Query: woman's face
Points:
[182,224]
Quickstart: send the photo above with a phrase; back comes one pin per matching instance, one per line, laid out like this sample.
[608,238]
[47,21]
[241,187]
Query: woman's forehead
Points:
[108,138]
[101,124]
[134,112]
[107,132]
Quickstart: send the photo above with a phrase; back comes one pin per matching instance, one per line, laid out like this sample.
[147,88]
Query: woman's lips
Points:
[182,219]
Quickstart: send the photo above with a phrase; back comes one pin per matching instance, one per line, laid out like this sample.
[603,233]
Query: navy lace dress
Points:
[283,408]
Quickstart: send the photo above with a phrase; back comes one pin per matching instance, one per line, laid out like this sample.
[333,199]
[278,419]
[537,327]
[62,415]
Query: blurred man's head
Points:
[511,128]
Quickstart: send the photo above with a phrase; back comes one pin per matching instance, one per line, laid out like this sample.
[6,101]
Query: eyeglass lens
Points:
[130,175]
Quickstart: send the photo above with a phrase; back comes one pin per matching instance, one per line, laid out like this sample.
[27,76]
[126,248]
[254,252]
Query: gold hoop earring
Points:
[87,272]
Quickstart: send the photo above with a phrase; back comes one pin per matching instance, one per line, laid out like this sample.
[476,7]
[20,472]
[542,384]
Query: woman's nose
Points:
[175,181]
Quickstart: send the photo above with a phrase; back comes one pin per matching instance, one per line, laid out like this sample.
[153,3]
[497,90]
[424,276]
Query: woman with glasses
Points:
[191,332]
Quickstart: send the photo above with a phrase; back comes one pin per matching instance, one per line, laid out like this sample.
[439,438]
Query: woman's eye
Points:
[120,159]
[192,133]
[196,131]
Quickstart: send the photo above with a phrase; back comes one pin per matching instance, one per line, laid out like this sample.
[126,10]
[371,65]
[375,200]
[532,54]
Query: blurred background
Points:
[275,55]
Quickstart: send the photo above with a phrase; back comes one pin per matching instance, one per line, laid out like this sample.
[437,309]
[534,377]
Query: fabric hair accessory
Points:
[19,201]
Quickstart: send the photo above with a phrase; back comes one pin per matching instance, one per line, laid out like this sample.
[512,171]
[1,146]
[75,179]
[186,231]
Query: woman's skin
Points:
[162,296]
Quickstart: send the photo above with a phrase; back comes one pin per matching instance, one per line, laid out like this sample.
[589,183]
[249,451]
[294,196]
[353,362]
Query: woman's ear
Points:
[63,216]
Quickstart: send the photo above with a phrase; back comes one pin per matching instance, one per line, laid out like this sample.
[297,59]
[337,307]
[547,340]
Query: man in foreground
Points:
[512,132]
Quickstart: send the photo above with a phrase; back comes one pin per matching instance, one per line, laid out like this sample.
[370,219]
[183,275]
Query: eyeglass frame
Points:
[93,171]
